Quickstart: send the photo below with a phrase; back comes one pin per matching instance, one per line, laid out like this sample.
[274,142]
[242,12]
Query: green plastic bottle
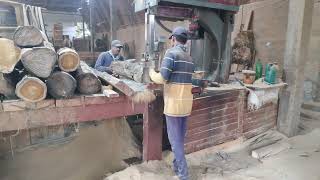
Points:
[259,69]
[271,74]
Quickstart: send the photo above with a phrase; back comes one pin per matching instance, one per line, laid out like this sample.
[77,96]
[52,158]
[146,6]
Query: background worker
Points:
[176,74]
[105,59]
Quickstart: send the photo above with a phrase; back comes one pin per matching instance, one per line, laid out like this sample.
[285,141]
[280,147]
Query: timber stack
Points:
[30,68]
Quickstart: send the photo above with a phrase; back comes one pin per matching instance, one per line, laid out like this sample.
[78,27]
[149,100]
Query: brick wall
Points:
[222,117]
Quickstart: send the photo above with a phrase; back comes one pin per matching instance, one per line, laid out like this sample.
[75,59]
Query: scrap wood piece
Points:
[270,150]
[138,92]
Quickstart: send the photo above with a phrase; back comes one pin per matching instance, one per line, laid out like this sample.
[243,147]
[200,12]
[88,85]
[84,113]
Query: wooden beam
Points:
[49,116]
[152,130]
[296,55]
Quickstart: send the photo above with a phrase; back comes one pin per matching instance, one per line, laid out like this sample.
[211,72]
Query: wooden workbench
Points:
[19,115]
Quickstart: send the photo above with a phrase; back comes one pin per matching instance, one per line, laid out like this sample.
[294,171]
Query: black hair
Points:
[181,39]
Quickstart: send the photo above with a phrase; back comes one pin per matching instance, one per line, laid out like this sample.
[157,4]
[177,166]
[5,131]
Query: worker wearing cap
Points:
[105,59]
[176,74]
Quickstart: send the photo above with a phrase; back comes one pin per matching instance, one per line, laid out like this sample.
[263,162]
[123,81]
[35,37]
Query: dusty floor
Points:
[300,162]
[94,151]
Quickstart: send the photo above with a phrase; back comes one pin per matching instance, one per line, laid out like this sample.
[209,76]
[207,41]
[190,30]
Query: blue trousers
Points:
[176,128]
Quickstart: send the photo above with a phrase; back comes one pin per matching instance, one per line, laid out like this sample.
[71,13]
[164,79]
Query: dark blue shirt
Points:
[104,61]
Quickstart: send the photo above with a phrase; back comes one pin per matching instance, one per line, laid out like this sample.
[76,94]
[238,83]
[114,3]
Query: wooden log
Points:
[31,89]
[131,69]
[270,150]
[28,36]
[109,92]
[61,85]
[10,55]
[39,61]
[87,81]
[68,60]
[138,92]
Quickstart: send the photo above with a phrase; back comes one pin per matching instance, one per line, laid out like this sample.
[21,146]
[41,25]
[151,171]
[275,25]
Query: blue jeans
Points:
[176,128]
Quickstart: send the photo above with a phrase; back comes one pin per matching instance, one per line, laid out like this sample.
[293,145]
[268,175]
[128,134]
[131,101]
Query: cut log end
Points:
[88,83]
[31,89]
[39,61]
[28,36]
[69,60]
[61,85]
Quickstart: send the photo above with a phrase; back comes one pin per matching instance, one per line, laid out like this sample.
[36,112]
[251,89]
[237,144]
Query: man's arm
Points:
[165,71]
[100,64]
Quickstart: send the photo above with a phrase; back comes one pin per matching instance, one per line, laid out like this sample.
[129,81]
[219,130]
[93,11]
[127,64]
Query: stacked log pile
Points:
[30,68]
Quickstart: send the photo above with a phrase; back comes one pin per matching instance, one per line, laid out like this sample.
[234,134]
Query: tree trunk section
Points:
[31,89]
[130,69]
[61,85]
[10,55]
[28,36]
[68,60]
[88,81]
[136,91]
[39,61]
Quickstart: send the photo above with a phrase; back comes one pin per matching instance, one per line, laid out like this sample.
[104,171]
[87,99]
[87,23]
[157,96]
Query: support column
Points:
[296,55]
[152,130]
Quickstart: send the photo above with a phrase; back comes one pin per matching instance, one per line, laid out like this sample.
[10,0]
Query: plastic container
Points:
[259,69]
[271,74]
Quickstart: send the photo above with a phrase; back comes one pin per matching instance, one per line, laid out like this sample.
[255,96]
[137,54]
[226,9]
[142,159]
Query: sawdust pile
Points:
[235,163]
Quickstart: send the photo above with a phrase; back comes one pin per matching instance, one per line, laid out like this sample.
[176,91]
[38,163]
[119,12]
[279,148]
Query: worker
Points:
[176,74]
[104,60]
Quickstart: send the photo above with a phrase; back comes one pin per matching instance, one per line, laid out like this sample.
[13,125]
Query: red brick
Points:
[202,122]
[260,130]
[211,126]
[212,132]
[255,125]
[216,113]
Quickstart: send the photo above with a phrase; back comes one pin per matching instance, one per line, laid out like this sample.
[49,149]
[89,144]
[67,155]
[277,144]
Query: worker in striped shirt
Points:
[176,74]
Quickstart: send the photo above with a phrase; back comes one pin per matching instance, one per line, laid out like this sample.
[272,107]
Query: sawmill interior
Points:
[159,89]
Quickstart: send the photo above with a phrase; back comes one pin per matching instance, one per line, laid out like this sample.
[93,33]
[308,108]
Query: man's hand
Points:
[153,86]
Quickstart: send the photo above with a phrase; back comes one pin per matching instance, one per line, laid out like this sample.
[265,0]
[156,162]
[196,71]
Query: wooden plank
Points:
[73,102]
[20,105]
[110,93]
[152,130]
[55,116]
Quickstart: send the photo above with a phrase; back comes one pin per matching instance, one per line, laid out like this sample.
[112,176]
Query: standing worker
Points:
[176,74]
[105,59]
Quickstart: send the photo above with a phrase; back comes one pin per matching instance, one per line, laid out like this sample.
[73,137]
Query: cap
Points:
[116,43]
[179,31]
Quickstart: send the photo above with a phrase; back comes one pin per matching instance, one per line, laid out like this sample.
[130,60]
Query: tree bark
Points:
[6,88]
[68,60]
[88,81]
[28,36]
[31,89]
[130,69]
[39,61]
[10,55]
[61,85]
